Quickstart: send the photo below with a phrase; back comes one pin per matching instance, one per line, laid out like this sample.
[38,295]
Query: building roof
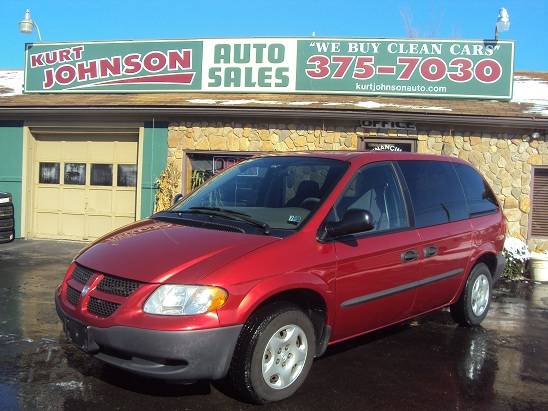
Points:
[530,101]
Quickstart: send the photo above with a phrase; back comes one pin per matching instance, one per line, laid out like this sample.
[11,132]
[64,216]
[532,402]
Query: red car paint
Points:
[253,268]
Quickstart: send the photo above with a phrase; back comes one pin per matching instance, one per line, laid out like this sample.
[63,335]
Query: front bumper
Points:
[173,355]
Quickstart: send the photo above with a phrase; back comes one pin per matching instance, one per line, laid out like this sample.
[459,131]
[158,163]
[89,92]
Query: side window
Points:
[375,189]
[435,191]
[478,193]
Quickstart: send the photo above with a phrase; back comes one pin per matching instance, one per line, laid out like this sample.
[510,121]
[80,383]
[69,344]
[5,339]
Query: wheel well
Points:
[490,260]
[311,302]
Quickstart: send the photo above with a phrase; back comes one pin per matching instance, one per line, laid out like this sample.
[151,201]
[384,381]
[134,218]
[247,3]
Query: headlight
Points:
[185,300]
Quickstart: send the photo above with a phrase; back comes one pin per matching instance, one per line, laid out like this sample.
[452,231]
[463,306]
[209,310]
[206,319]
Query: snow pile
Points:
[516,249]
[11,82]
[532,91]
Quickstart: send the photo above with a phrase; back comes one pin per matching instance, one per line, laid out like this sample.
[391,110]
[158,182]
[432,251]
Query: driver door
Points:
[375,267]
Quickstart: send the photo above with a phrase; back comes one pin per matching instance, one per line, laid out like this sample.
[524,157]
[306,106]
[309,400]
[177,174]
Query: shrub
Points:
[166,186]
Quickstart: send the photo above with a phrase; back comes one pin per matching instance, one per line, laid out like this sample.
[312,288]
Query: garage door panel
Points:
[75,151]
[98,225]
[123,201]
[48,198]
[102,152]
[126,152]
[120,221]
[100,201]
[72,225]
[73,202]
[49,151]
[47,225]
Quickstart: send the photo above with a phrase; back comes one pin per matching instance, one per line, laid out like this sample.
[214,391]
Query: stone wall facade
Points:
[505,159]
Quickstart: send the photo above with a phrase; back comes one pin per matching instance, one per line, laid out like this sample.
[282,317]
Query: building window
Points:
[388,145]
[75,174]
[101,175]
[49,173]
[200,167]
[127,175]
[539,210]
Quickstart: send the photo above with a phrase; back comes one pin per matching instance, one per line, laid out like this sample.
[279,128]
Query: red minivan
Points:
[253,275]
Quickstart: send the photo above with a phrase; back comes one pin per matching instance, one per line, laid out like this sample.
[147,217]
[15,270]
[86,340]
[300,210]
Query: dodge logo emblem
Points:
[85,290]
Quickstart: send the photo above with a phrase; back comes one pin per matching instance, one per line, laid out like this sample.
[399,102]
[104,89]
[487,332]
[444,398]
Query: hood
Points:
[156,251]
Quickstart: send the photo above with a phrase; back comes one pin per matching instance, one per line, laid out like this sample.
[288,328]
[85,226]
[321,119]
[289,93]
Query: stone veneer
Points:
[504,159]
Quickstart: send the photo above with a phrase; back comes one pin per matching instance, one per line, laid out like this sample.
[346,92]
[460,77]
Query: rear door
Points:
[441,217]
[372,278]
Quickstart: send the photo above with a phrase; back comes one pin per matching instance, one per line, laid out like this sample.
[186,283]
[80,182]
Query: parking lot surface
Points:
[425,364]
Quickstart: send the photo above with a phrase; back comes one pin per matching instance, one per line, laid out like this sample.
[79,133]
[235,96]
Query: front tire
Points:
[273,355]
[472,306]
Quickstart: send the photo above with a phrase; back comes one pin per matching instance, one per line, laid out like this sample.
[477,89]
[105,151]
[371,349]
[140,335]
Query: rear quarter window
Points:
[479,195]
[436,192]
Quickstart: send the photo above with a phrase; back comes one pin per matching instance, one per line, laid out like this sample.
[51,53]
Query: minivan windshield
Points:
[278,192]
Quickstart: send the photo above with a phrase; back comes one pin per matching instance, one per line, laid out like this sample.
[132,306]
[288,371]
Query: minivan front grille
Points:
[73,295]
[102,308]
[81,274]
[118,286]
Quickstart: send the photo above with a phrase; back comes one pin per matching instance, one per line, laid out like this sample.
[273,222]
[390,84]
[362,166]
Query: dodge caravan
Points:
[256,273]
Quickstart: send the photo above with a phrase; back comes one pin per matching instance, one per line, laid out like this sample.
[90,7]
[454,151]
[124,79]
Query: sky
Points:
[78,20]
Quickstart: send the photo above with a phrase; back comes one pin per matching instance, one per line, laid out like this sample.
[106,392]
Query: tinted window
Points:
[49,173]
[75,173]
[101,175]
[375,189]
[436,192]
[479,195]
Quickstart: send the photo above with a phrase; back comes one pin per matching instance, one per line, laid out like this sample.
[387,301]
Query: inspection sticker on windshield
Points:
[294,219]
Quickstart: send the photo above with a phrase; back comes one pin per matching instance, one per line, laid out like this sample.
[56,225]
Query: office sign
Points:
[379,67]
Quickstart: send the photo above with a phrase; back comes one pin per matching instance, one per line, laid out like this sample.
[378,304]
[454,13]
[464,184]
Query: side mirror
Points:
[177,198]
[353,221]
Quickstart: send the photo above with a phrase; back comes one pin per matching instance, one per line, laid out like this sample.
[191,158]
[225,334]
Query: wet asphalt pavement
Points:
[426,364]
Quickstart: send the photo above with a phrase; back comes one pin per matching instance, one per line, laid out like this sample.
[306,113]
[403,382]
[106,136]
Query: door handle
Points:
[430,251]
[409,255]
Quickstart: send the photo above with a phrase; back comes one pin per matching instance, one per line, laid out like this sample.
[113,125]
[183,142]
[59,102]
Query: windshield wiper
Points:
[222,212]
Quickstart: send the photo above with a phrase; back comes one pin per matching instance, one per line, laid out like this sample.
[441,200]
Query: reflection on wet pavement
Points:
[426,364]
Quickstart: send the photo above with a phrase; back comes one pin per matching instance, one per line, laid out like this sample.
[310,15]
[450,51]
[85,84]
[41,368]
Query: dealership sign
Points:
[425,68]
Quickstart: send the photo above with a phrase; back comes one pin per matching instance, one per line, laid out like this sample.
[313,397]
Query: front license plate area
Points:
[77,333]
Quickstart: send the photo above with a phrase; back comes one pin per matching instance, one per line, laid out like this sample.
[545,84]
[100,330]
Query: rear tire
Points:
[273,355]
[473,304]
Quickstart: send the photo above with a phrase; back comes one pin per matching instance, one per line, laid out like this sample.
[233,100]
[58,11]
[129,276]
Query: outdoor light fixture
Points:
[503,22]
[27,25]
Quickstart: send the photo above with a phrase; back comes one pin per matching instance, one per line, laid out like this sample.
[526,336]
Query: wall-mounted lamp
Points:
[28,24]
[503,22]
